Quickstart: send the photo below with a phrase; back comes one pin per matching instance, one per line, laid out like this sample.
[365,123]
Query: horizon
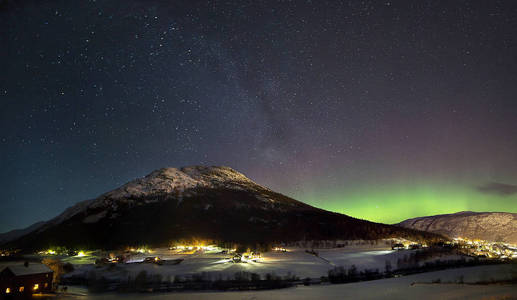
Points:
[379,220]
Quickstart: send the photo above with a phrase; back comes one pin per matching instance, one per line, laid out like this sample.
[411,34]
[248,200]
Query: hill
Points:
[489,226]
[215,203]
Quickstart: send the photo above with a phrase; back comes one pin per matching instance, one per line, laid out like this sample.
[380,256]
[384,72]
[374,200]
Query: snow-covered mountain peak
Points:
[177,180]
[214,202]
[215,173]
[162,184]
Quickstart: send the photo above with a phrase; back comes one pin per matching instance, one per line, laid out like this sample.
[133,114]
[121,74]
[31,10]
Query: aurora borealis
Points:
[394,203]
[382,110]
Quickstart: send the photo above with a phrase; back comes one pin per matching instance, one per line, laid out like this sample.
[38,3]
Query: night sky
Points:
[382,110]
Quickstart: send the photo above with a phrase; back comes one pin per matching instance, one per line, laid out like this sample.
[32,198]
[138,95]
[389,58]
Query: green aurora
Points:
[392,203]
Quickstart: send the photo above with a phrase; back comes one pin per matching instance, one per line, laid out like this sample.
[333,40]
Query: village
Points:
[469,247]
[485,249]
[187,260]
[30,276]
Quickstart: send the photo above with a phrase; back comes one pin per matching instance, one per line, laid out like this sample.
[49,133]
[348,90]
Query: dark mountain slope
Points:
[14,234]
[204,202]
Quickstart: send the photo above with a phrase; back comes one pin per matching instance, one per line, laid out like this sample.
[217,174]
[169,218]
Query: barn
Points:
[25,279]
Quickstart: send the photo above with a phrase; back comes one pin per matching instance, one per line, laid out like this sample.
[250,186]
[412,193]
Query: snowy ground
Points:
[298,262]
[295,262]
[417,286]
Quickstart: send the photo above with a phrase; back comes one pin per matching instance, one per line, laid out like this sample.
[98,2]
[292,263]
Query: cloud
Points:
[501,189]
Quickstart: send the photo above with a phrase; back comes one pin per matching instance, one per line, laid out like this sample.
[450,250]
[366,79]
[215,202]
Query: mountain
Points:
[489,226]
[14,234]
[216,203]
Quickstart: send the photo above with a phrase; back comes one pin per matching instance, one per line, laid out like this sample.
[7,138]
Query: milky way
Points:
[382,110]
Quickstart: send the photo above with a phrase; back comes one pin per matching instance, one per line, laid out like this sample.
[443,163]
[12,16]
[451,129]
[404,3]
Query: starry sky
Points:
[382,110]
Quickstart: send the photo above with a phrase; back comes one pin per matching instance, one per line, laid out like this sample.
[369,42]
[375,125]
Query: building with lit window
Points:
[25,279]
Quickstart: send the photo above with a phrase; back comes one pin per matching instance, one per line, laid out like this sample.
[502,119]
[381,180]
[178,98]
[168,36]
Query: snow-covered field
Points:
[301,264]
[417,286]
[294,262]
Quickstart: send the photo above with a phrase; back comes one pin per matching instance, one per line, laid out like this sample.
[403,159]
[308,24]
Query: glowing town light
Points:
[143,250]
[36,287]
[81,254]
[7,290]
[281,249]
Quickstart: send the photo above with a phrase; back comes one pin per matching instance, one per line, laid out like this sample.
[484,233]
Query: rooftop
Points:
[31,268]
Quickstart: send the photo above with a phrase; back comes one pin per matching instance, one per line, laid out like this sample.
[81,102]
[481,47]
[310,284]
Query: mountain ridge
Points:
[210,202]
[490,226]
[16,233]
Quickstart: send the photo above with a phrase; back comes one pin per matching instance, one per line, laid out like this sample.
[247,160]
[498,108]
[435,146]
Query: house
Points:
[237,258]
[398,246]
[415,246]
[25,279]
[153,260]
